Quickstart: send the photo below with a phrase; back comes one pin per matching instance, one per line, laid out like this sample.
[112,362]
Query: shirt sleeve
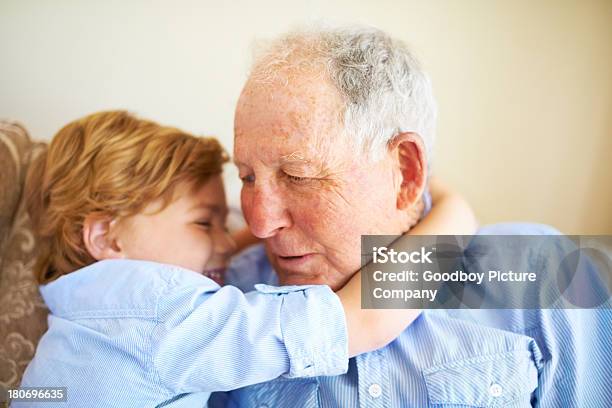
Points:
[222,339]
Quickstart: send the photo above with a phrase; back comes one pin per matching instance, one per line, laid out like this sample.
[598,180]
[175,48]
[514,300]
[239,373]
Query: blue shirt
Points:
[140,334]
[458,358]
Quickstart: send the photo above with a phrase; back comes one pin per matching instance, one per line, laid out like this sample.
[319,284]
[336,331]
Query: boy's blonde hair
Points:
[110,164]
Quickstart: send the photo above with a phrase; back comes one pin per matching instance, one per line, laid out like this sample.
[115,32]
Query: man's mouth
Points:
[294,260]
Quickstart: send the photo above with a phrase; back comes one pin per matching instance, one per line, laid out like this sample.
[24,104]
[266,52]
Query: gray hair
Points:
[384,89]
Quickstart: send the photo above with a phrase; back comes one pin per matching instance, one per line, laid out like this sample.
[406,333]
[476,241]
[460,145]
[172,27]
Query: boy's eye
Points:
[205,224]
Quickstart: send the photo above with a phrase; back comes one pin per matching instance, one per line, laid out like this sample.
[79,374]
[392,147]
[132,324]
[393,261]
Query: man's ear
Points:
[98,238]
[409,152]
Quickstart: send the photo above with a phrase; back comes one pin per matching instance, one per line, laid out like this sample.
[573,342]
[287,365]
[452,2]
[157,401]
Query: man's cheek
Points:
[340,232]
[318,220]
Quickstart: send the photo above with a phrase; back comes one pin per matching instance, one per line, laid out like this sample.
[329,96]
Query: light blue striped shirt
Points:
[141,334]
[457,358]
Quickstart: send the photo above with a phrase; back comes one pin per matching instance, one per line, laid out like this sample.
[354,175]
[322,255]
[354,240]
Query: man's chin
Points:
[302,275]
[289,278]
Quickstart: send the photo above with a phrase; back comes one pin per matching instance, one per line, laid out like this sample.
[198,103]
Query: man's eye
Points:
[204,224]
[298,180]
[248,179]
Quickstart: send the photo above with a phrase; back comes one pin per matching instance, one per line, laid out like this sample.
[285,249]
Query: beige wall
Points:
[524,87]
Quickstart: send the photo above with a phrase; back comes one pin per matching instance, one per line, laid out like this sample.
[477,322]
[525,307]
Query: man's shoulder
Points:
[250,267]
[517,228]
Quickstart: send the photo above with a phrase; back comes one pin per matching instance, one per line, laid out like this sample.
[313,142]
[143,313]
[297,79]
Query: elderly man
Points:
[333,132]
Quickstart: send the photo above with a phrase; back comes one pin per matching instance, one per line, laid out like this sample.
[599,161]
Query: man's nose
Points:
[265,211]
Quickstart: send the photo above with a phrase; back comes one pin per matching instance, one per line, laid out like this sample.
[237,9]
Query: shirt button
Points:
[375,390]
[495,390]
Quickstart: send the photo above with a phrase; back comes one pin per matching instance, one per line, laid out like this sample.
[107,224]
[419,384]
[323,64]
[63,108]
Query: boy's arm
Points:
[217,339]
[450,214]
[369,329]
[244,239]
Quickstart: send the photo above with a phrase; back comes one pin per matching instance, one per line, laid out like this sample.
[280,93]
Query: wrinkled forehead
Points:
[299,116]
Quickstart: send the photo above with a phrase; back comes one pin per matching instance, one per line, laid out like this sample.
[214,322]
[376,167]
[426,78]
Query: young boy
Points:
[131,218]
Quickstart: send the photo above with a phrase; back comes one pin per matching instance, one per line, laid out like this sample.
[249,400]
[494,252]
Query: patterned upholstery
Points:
[23,315]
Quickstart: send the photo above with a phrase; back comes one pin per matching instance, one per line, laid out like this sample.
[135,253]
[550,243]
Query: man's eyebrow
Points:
[293,158]
[297,161]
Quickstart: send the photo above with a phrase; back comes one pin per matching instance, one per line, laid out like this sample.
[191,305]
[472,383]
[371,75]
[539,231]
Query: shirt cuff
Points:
[314,330]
